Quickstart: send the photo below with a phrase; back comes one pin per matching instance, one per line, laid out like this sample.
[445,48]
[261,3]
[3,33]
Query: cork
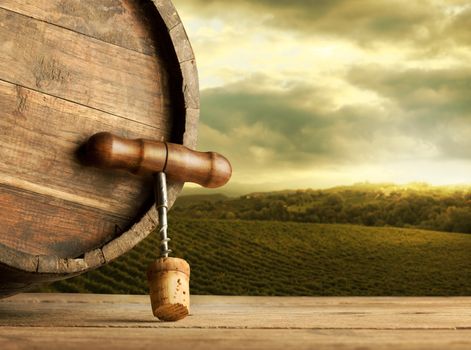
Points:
[169,288]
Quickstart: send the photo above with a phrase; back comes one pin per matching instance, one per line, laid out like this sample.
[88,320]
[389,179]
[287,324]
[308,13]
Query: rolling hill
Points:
[236,257]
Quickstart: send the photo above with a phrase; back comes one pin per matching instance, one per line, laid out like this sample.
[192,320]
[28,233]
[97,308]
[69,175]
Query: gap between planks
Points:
[79,104]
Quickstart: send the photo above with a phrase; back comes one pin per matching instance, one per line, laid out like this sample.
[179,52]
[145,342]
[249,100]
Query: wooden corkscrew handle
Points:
[140,156]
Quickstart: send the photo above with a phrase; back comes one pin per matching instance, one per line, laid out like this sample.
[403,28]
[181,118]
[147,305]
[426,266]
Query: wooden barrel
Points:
[69,69]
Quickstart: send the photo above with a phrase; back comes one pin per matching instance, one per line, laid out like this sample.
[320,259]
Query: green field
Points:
[281,258]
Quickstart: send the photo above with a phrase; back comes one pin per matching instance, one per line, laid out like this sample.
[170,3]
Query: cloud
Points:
[334,90]
[267,129]
[442,90]
[434,104]
[426,23]
[264,131]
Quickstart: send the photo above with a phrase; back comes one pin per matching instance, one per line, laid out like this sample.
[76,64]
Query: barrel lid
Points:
[69,69]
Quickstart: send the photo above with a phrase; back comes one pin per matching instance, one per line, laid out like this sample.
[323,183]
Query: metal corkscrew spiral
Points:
[162,209]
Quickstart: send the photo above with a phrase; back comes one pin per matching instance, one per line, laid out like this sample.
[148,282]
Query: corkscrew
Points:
[162,209]
[168,277]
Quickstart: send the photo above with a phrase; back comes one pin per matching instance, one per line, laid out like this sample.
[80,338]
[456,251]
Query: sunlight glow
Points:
[340,76]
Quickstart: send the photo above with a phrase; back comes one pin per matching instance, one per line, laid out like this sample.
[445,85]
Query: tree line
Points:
[428,208]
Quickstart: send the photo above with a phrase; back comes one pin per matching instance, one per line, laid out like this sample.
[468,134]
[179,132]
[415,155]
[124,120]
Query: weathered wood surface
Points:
[96,19]
[66,321]
[69,69]
[58,87]
[83,70]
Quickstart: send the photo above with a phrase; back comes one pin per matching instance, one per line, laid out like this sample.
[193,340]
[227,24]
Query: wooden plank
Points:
[190,85]
[67,235]
[229,339]
[96,19]
[182,44]
[168,12]
[73,321]
[79,310]
[62,63]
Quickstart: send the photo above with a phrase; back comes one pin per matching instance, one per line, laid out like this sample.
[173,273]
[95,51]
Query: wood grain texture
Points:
[24,224]
[49,321]
[39,138]
[38,155]
[77,68]
[230,339]
[69,69]
[144,157]
[96,19]
[94,310]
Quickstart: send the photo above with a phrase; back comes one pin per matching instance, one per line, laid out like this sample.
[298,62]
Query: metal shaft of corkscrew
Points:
[162,209]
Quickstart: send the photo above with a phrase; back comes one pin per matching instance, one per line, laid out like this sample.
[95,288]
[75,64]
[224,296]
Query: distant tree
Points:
[334,201]
[459,219]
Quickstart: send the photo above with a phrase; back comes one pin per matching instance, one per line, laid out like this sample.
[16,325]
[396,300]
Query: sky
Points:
[319,93]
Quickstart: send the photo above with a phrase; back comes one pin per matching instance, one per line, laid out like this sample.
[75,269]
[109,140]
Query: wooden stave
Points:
[20,271]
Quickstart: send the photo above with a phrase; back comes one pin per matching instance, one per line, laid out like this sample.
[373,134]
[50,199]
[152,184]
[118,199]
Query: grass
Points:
[284,258]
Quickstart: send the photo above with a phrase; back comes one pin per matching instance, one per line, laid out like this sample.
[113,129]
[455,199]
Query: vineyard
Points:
[235,257]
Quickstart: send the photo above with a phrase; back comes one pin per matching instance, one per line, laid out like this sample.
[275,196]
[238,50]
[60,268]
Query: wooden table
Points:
[85,321]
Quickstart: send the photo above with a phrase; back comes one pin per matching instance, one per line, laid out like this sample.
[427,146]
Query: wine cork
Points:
[169,288]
